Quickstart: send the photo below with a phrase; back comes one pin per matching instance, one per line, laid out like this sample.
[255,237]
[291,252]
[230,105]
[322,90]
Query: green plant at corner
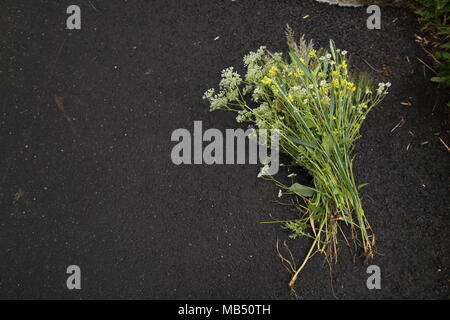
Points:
[434,16]
[317,106]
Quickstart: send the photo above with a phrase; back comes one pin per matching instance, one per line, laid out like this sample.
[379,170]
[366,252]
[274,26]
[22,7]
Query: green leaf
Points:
[333,49]
[362,186]
[301,142]
[440,79]
[302,190]
[310,123]
[446,45]
[443,55]
[313,209]
[299,64]
[327,144]
[332,105]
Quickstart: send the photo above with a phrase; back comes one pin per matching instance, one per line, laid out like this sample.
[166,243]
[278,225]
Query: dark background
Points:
[91,183]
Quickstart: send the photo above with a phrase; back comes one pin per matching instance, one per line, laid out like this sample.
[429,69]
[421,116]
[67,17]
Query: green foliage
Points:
[301,190]
[298,228]
[317,107]
[434,16]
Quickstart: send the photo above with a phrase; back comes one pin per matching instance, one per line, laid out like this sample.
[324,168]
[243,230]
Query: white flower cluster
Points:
[382,87]
[243,116]
[257,94]
[265,171]
[229,90]
[254,71]
[230,83]
[253,57]
[217,100]
[324,84]
[298,91]
[292,175]
[230,79]
[277,56]
[253,135]
[262,114]
[344,52]
[326,57]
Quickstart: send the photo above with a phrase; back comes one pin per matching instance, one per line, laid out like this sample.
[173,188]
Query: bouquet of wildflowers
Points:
[318,107]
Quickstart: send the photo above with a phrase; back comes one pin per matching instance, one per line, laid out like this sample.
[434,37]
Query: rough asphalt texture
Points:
[87,179]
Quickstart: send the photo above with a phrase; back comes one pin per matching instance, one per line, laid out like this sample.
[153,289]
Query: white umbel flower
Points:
[264,171]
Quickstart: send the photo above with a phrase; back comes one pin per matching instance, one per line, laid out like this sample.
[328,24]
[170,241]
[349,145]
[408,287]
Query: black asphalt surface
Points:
[86,176]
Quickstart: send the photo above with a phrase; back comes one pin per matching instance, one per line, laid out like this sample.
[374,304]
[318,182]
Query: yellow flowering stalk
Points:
[318,107]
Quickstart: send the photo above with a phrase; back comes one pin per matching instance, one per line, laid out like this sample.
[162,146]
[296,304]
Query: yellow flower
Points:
[325,100]
[290,97]
[336,83]
[266,80]
[334,118]
[273,71]
[313,53]
[350,86]
[298,73]
[343,65]
[274,89]
[335,73]
[321,74]
[363,106]
[323,90]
